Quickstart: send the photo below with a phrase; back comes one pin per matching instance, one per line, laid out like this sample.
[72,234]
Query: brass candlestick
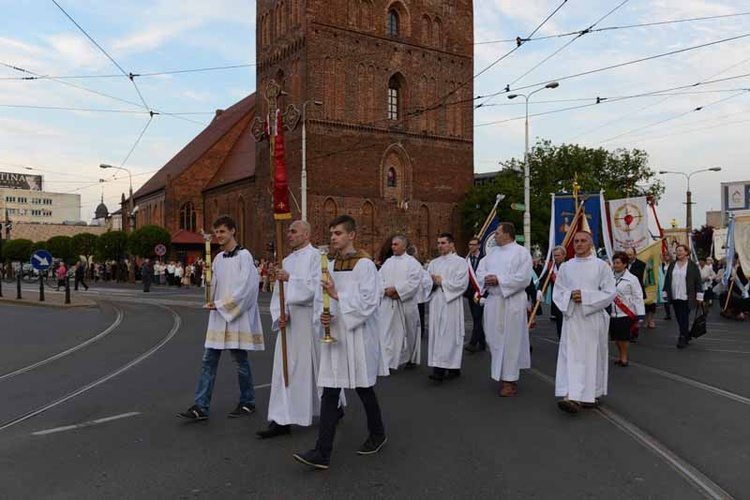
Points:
[327,339]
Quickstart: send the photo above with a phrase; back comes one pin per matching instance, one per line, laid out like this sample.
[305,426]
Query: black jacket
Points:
[694,283]
[638,269]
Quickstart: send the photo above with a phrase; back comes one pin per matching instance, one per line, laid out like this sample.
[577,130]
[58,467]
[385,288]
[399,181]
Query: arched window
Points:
[394,97]
[188,216]
[391,181]
[392,26]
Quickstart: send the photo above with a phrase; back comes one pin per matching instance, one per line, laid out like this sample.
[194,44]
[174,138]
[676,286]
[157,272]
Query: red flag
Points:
[281,207]
[580,223]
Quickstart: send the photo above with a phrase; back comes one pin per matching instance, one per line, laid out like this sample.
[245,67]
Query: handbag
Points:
[698,329]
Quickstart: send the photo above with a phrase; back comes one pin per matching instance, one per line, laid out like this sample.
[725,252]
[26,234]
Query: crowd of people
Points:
[367,312]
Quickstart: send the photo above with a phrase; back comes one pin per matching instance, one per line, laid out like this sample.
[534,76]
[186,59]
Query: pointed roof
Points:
[239,164]
[220,125]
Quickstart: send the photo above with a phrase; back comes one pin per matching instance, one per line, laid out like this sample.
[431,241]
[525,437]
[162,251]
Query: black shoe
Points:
[410,365]
[453,373]
[436,378]
[372,445]
[274,430]
[242,410]
[194,413]
[471,348]
[681,344]
[313,458]
[667,317]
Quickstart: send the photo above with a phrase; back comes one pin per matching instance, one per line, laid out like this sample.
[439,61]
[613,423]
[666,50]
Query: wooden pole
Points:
[282,310]
[729,291]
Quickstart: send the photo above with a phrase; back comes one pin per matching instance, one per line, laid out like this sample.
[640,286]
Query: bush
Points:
[142,242]
[111,246]
[61,248]
[17,250]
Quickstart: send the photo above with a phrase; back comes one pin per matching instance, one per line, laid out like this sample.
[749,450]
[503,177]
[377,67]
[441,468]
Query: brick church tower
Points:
[392,142]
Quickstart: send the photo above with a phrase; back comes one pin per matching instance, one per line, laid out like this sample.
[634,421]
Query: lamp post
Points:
[131,216]
[689,196]
[526,170]
[303,183]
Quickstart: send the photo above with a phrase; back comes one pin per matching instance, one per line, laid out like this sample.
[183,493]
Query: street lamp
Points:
[526,170]
[131,216]
[303,184]
[689,196]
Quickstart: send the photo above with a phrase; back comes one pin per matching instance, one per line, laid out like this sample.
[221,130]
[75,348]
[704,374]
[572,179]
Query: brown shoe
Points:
[569,406]
[509,390]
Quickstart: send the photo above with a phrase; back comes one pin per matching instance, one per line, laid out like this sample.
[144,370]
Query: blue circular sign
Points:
[41,260]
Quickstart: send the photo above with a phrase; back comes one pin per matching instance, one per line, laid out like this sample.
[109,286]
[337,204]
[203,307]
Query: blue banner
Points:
[730,251]
[565,209]
[487,239]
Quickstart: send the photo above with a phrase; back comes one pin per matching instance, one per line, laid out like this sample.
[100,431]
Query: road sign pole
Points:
[18,285]
[67,289]
[41,287]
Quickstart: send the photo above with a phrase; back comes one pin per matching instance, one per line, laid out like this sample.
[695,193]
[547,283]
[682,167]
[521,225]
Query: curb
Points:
[30,303]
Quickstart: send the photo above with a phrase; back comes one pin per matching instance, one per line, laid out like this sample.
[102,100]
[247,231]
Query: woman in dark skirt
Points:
[628,310]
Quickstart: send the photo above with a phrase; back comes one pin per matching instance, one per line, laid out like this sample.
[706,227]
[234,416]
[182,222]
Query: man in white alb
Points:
[504,274]
[584,287]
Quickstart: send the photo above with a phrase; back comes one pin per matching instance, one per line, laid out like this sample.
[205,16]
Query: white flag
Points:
[629,223]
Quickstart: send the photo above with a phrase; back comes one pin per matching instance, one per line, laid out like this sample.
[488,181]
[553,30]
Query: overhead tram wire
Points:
[130,76]
[442,101]
[631,113]
[612,28]
[660,122]
[570,42]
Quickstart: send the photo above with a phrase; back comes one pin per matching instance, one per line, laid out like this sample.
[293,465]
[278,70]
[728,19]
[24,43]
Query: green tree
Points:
[142,242]
[111,246]
[60,247]
[38,245]
[17,250]
[703,239]
[84,244]
[553,169]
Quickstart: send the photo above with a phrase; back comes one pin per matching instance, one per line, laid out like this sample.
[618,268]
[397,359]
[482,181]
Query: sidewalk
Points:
[51,299]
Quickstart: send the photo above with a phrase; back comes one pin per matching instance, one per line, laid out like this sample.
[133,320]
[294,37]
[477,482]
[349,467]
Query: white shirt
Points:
[679,282]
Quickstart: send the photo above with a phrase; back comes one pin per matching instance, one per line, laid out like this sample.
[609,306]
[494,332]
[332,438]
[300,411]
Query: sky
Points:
[683,130]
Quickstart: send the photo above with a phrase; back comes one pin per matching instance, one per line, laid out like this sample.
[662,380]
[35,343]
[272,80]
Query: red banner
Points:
[281,207]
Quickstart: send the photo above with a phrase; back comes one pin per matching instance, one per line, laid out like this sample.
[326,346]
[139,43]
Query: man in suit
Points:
[478,341]
[638,269]
[558,257]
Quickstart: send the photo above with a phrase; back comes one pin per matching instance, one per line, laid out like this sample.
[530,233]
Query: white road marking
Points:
[73,349]
[698,480]
[86,388]
[86,424]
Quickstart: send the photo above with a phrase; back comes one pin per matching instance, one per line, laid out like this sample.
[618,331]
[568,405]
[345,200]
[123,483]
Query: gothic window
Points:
[394,91]
[392,27]
[188,217]
[391,181]
[427,27]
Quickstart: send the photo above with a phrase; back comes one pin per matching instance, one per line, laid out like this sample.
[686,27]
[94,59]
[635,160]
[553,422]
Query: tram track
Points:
[176,324]
[62,354]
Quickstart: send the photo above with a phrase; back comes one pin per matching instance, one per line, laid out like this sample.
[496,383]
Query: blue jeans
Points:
[208,377]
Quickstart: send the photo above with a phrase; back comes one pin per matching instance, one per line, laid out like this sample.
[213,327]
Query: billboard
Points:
[735,195]
[20,181]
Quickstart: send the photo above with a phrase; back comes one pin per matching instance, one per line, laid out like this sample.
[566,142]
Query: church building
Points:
[384,90]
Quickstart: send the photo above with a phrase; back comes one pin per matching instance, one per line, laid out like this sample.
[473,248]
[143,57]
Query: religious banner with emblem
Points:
[629,223]
[281,209]
[742,241]
[651,255]
[565,210]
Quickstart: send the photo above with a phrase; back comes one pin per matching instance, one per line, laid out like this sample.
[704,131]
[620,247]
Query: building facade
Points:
[39,207]
[391,144]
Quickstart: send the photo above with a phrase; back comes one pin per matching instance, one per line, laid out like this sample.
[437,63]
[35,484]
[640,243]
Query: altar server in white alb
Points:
[450,277]
[398,321]
[584,288]
[353,361]
[503,275]
[297,402]
[233,323]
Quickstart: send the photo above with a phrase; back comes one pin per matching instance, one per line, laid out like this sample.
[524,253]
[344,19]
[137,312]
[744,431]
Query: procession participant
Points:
[666,261]
[682,285]
[424,291]
[398,316]
[170,272]
[354,360]
[708,279]
[450,277]
[627,309]
[233,322]
[147,275]
[478,341]
[298,402]
[637,268]
[583,289]
[504,275]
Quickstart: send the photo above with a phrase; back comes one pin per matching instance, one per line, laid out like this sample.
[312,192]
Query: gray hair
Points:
[304,225]
[560,248]
[403,239]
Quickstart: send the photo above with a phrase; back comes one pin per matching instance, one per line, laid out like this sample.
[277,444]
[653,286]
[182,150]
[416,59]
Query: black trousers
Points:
[81,281]
[682,314]
[477,330]
[666,309]
[329,404]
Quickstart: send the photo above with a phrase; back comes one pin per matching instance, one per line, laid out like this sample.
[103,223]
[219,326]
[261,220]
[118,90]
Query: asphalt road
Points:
[90,396]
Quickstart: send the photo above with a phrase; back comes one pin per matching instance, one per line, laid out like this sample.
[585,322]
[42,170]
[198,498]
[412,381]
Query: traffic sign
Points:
[160,250]
[520,238]
[518,206]
[41,260]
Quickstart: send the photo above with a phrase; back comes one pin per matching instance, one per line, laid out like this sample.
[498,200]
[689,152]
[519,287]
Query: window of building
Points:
[10,199]
[188,217]
[392,27]
[394,97]
[11,211]
[391,181]
[23,200]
